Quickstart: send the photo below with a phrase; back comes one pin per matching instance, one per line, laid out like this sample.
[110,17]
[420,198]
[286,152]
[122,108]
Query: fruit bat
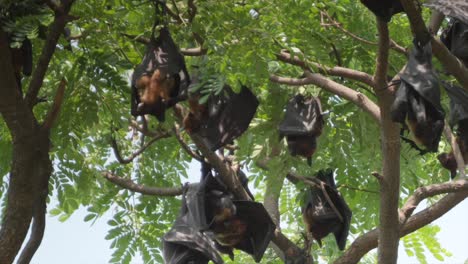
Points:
[231,223]
[455,38]
[383,9]
[417,101]
[184,243]
[458,119]
[324,211]
[161,79]
[301,125]
[223,118]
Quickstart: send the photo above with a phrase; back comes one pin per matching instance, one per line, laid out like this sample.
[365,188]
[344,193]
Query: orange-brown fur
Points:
[231,232]
[155,89]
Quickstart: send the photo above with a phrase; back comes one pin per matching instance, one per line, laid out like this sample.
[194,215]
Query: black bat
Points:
[223,118]
[324,211]
[455,38]
[384,9]
[458,119]
[22,60]
[417,100]
[230,223]
[161,79]
[184,243]
[302,124]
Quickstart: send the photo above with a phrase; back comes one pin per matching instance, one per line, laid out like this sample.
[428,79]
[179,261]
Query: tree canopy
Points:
[68,133]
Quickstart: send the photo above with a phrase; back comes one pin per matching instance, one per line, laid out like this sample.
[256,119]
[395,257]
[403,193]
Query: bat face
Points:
[302,145]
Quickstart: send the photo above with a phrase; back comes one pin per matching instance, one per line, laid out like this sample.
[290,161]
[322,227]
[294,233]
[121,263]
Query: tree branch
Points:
[347,93]
[132,186]
[55,30]
[184,145]
[351,74]
[393,45]
[368,241]
[122,160]
[37,232]
[55,109]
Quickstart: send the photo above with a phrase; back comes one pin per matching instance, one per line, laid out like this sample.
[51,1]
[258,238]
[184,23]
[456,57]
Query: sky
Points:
[79,242]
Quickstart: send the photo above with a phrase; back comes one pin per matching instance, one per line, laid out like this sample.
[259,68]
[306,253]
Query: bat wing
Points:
[455,38]
[383,9]
[458,103]
[260,229]
[419,76]
[303,116]
[399,108]
[229,118]
[184,242]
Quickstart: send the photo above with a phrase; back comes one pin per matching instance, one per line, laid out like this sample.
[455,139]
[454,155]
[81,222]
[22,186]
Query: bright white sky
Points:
[77,242]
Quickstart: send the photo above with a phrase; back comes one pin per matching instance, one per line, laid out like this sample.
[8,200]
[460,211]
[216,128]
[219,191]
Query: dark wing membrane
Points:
[399,108]
[455,38]
[184,242]
[260,228]
[229,117]
[383,9]
[303,116]
[458,103]
[420,75]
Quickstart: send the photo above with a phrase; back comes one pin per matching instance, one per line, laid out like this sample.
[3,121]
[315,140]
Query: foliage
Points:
[241,49]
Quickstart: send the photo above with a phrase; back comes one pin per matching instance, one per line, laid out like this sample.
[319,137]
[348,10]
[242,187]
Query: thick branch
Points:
[122,160]
[368,241]
[55,30]
[132,186]
[390,183]
[37,232]
[347,93]
[55,109]
[351,74]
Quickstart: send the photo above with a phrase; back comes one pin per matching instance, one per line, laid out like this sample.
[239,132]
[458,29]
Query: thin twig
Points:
[184,145]
[122,160]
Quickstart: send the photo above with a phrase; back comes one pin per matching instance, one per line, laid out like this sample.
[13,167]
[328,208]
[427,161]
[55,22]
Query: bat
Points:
[223,118]
[184,243]
[452,8]
[161,79]
[383,9]
[455,38]
[458,119]
[417,101]
[302,124]
[324,211]
[231,224]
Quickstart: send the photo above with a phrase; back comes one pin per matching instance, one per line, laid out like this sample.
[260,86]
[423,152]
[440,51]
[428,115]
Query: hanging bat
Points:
[324,211]
[243,225]
[458,119]
[455,38]
[223,118]
[302,124]
[417,101]
[384,9]
[161,79]
[184,243]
